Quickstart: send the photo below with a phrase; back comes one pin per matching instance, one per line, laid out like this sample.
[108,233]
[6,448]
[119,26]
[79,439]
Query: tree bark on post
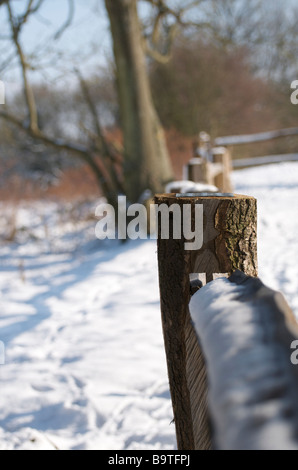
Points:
[147,164]
[229,243]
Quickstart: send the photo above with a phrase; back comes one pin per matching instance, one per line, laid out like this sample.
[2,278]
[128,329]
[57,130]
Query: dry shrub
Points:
[75,183]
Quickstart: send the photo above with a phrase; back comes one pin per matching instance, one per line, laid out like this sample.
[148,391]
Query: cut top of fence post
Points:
[229,233]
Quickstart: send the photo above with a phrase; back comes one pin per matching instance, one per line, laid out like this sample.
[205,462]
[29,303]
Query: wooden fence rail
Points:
[253,138]
[266,160]
[246,331]
[212,162]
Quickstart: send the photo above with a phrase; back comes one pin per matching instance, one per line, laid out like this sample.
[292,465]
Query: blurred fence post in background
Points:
[229,243]
[198,170]
[209,165]
[213,164]
[222,158]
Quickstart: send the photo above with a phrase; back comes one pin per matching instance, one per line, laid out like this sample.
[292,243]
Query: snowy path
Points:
[276,189]
[85,365]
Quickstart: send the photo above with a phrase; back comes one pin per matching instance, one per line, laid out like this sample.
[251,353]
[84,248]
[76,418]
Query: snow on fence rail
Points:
[242,327]
[266,160]
[253,138]
[212,162]
[244,346]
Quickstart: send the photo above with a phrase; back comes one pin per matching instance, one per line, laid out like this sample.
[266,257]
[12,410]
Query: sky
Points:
[89,28]
[86,44]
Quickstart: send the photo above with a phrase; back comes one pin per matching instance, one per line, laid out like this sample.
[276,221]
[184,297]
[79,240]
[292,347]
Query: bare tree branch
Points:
[59,144]
[163,12]
[36,133]
[99,137]
[71,12]
[162,58]
[29,96]
[27,12]
[7,62]
[37,6]
[106,174]
[90,102]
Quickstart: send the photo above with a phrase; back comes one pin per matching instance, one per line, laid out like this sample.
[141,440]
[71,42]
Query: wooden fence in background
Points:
[212,162]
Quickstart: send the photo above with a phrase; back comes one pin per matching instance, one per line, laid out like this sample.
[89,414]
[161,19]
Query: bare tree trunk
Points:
[105,173]
[147,164]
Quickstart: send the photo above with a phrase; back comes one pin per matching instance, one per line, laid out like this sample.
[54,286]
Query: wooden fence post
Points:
[229,243]
[222,180]
[198,170]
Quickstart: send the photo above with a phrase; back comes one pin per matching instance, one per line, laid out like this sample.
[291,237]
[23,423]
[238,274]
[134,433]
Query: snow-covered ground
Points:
[276,189]
[85,364]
